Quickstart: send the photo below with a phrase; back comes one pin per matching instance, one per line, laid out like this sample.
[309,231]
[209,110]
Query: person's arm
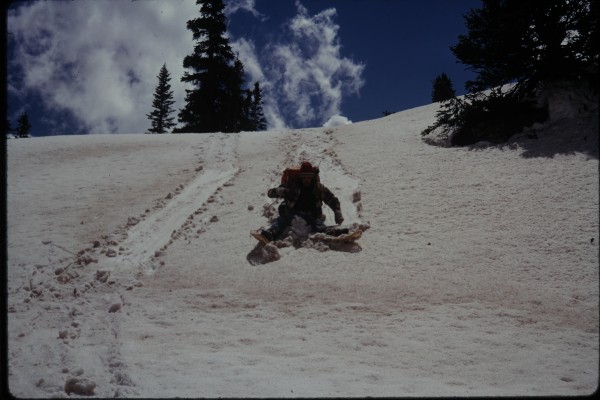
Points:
[333,203]
[277,193]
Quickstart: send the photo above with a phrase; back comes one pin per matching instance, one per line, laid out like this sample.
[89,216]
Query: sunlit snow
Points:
[128,273]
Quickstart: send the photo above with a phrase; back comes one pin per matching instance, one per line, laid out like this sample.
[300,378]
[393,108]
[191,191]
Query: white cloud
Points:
[336,120]
[310,74]
[246,52]
[233,6]
[303,73]
[100,60]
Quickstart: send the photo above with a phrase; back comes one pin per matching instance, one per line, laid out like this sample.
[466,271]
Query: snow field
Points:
[478,275]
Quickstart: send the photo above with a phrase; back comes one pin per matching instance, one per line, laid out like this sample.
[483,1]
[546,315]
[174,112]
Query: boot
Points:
[333,231]
[264,236]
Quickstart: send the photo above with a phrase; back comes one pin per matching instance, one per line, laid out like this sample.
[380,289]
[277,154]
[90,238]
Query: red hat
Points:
[306,169]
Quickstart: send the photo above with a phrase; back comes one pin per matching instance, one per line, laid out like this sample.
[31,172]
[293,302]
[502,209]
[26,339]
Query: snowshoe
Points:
[263,236]
[335,231]
[342,237]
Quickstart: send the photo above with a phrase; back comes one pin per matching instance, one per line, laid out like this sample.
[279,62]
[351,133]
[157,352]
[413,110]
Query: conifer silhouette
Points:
[163,101]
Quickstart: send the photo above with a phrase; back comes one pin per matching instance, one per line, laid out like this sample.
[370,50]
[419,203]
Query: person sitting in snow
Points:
[304,197]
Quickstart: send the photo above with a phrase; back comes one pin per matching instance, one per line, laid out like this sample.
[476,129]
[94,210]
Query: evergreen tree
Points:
[160,117]
[442,89]
[247,124]
[8,128]
[237,108]
[253,118]
[23,127]
[256,111]
[525,43]
[216,101]
[529,42]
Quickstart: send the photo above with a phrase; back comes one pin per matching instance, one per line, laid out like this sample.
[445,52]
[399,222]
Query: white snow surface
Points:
[478,275]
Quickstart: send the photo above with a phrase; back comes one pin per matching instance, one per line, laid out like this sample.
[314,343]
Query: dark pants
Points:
[285,219]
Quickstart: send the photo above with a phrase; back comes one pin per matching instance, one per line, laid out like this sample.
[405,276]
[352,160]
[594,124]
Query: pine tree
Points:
[8,128]
[236,108]
[256,111]
[253,117]
[529,42]
[247,123]
[160,117]
[442,89]
[524,43]
[23,127]
[216,101]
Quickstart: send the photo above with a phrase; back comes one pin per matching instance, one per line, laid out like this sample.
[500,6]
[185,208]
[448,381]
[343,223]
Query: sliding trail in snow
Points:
[152,236]
[146,238]
[119,260]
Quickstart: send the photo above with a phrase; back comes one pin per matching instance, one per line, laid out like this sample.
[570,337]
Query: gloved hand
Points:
[338,217]
[275,192]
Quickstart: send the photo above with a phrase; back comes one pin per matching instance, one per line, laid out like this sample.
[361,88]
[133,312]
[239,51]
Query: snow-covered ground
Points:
[129,272]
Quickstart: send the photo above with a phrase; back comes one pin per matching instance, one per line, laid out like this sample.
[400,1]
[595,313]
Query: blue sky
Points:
[86,66]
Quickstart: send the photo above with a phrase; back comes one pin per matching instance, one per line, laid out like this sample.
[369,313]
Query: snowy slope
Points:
[478,276]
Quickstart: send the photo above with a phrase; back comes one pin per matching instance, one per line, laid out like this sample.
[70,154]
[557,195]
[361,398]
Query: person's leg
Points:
[276,227]
[318,225]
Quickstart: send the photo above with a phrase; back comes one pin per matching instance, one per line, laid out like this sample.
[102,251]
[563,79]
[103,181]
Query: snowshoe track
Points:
[151,237]
[141,241]
[110,266]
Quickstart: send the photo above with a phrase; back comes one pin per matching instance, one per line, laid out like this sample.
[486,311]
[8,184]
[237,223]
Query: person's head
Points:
[307,173]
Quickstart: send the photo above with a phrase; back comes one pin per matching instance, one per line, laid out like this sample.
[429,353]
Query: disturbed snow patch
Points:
[299,235]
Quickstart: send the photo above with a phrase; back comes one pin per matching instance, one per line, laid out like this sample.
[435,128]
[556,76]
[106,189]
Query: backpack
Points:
[292,174]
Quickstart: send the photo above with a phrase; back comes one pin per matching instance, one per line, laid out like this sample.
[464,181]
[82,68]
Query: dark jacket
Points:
[319,195]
